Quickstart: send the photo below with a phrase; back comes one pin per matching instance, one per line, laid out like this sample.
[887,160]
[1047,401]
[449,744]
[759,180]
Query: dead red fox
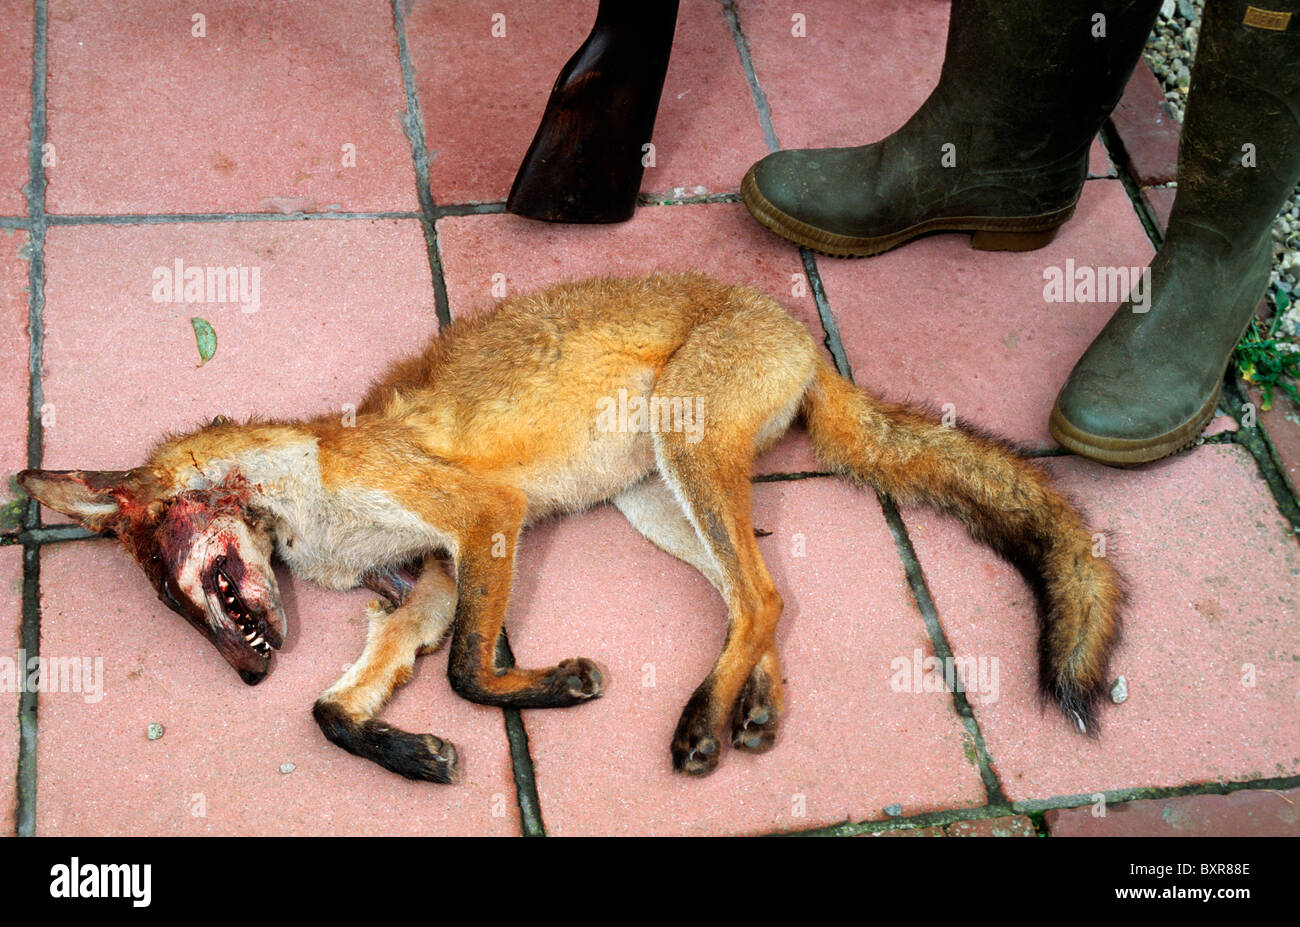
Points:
[542,406]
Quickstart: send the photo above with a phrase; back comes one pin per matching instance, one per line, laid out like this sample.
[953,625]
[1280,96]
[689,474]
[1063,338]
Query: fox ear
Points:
[89,496]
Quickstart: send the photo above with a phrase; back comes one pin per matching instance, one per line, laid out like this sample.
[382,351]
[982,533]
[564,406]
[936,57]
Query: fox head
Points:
[205,552]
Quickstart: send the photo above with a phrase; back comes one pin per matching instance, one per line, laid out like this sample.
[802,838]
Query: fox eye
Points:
[168,597]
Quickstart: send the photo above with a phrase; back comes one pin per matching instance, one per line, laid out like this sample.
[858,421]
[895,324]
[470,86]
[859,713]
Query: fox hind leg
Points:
[718,502]
[346,711]
[750,365]
[653,510]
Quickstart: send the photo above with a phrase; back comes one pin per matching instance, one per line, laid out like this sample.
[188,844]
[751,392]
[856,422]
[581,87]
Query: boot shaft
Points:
[1239,156]
[1037,78]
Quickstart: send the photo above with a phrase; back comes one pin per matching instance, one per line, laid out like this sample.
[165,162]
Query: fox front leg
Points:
[484,569]
[481,520]
[346,711]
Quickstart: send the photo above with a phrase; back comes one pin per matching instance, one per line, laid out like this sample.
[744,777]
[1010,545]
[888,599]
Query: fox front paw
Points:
[576,680]
[379,609]
[422,757]
[416,756]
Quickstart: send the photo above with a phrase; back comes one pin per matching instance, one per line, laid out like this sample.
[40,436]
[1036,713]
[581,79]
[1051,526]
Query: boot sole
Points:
[992,233]
[1131,452]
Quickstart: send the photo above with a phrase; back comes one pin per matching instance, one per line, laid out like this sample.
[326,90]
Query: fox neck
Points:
[266,459]
[328,530]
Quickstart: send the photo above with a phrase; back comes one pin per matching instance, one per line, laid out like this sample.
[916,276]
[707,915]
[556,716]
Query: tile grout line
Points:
[939,640]
[55,534]
[525,775]
[831,335]
[1035,806]
[413,126]
[703,199]
[25,810]
[165,218]
[30,643]
[1255,441]
[521,762]
[1109,140]
[830,331]
[732,15]
[435,211]
[902,542]
[65,533]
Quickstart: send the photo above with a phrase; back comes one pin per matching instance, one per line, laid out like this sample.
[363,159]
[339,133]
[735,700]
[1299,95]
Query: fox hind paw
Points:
[697,756]
[695,748]
[754,729]
[754,724]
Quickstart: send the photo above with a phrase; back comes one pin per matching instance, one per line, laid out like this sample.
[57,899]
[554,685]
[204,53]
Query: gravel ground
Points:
[1170,51]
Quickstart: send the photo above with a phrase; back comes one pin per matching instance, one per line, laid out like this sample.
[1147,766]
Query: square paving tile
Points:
[482,96]
[255,115]
[518,255]
[856,73]
[935,321]
[235,759]
[11,622]
[1210,653]
[16,114]
[850,745]
[336,301]
[14,285]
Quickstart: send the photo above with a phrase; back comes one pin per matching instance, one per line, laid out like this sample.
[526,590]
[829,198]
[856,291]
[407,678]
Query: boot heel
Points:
[1012,241]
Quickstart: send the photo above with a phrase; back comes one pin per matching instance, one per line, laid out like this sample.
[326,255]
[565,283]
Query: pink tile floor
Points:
[258,116]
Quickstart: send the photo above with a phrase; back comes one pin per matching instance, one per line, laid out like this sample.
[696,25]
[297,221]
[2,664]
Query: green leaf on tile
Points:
[206,339]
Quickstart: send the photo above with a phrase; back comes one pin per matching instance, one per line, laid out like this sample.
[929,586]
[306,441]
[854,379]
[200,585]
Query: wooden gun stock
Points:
[585,163]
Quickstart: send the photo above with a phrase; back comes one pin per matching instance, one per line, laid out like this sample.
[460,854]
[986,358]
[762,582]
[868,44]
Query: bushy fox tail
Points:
[1005,501]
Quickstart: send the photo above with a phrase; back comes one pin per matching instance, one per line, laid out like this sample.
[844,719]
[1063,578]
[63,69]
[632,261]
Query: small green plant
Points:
[1268,361]
[11,514]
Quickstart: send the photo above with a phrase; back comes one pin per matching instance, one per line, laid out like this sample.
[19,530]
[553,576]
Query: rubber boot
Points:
[1000,147]
[1149,383]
